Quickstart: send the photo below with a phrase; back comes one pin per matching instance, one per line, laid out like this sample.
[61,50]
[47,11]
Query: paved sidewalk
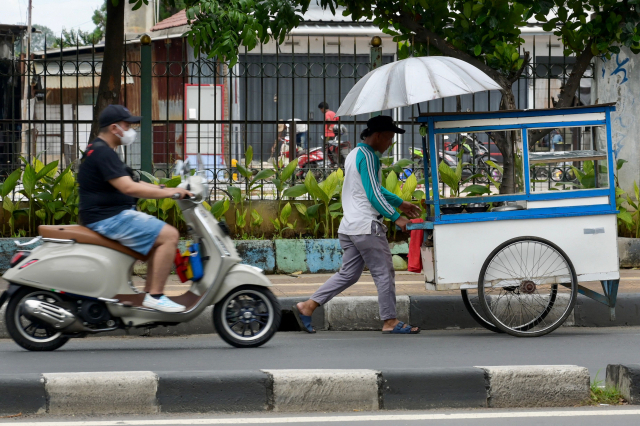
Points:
[407,284]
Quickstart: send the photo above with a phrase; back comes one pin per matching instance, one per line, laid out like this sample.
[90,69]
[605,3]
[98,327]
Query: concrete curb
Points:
[426,312]
[144,392]
[627,379]
[536,385]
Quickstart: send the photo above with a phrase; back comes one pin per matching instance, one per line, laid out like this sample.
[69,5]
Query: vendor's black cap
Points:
[383,123]
[116,113]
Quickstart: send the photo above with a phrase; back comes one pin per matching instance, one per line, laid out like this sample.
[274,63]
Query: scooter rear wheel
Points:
[247,317]
[27,332]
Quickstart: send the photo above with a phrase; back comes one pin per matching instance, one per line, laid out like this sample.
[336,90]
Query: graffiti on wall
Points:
[624,111]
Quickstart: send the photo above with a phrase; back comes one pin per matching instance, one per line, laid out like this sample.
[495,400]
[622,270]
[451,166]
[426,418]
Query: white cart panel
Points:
[461,249]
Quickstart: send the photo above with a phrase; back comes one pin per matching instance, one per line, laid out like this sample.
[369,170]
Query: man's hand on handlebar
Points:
[178,193]
[402,223]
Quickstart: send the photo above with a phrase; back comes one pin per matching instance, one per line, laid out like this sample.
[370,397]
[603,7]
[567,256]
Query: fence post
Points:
[376,60]
[146,136]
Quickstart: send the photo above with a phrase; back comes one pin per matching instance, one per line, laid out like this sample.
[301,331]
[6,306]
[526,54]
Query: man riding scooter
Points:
[108,196]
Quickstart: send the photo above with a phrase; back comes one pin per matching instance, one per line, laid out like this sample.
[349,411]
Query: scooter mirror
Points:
[200,163]
[179,168]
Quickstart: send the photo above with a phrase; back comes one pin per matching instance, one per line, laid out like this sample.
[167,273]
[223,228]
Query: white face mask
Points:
[128,136]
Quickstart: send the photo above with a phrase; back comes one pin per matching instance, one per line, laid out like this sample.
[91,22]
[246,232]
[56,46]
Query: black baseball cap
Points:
[383,123]
[116,113]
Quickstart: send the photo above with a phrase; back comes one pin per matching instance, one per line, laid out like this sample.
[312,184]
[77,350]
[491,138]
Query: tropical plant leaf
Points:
[166,204]
[495,166]
[620,163]
[246,173]
[150,178]
[29,180]
[288,171]
[295,191]
[262,174]
[66,186]
[313,188]
[449,177]
[173,182]
[391,182]
[8,205]
[335,206]
[248,157]
[477,190]
[408,187]
[10,182]
[256,219]
[418,195]
[235,192]
[285,213]
[41,214]
[59,215]
[302,209]
[625,216]
[312,211]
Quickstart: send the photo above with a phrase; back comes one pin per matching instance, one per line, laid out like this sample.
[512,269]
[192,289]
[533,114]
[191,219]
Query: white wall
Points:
[618,80]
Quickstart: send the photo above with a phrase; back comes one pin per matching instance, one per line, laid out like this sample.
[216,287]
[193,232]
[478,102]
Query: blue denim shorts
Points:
[132,229]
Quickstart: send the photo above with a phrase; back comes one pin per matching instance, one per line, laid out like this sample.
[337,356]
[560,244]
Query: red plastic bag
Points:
[182,264]
[415,258]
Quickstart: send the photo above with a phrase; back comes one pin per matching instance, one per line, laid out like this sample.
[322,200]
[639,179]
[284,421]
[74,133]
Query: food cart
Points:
[521,258]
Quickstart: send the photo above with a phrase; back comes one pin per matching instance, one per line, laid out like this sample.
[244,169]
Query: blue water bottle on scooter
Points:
[195,261]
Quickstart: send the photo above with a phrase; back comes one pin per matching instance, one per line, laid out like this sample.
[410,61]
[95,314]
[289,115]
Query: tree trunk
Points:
[506,147]
[568,93]
[111,75]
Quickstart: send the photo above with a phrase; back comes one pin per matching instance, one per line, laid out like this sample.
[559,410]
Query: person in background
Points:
[362,235]
[302,134]
[556,139]
[328,117]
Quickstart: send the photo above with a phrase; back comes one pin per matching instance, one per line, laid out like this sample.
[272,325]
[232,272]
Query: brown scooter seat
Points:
[82,235]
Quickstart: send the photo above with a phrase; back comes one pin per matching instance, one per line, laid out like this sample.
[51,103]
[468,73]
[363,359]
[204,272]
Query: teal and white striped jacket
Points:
[364,199]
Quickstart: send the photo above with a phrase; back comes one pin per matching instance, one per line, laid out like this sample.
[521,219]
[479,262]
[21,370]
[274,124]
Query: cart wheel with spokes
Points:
[247,317]
[527,287]
[472,303]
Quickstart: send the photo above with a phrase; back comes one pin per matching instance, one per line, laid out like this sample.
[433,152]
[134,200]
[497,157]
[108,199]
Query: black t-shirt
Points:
[99,200]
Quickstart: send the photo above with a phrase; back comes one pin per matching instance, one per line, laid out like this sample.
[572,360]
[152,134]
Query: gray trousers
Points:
[372,250]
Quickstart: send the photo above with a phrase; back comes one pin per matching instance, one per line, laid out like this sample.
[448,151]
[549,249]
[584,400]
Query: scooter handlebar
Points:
[179,196]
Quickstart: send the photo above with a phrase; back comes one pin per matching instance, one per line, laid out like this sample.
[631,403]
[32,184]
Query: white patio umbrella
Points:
[414,80]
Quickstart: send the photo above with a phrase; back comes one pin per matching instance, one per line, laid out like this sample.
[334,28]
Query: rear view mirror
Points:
[179,168]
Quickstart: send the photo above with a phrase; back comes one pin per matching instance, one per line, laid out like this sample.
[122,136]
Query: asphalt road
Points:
[588,416]
[593,348]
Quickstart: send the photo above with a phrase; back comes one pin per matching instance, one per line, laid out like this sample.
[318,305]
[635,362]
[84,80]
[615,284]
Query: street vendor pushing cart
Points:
[362,235]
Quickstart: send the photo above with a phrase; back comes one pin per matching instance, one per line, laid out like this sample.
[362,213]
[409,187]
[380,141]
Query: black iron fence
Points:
[202,106]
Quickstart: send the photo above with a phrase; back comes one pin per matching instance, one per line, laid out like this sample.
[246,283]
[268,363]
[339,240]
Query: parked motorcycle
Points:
[78,283]
[332,156]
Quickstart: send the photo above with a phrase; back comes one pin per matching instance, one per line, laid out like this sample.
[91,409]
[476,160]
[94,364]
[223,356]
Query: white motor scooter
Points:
[78,283]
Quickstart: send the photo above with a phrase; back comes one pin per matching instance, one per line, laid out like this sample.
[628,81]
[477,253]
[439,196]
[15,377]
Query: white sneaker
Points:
[163,304]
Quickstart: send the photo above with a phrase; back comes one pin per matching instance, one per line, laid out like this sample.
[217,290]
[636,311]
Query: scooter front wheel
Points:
[247,317]
[28,332]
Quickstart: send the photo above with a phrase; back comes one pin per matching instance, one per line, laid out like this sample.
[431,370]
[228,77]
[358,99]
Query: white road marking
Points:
[349,419]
